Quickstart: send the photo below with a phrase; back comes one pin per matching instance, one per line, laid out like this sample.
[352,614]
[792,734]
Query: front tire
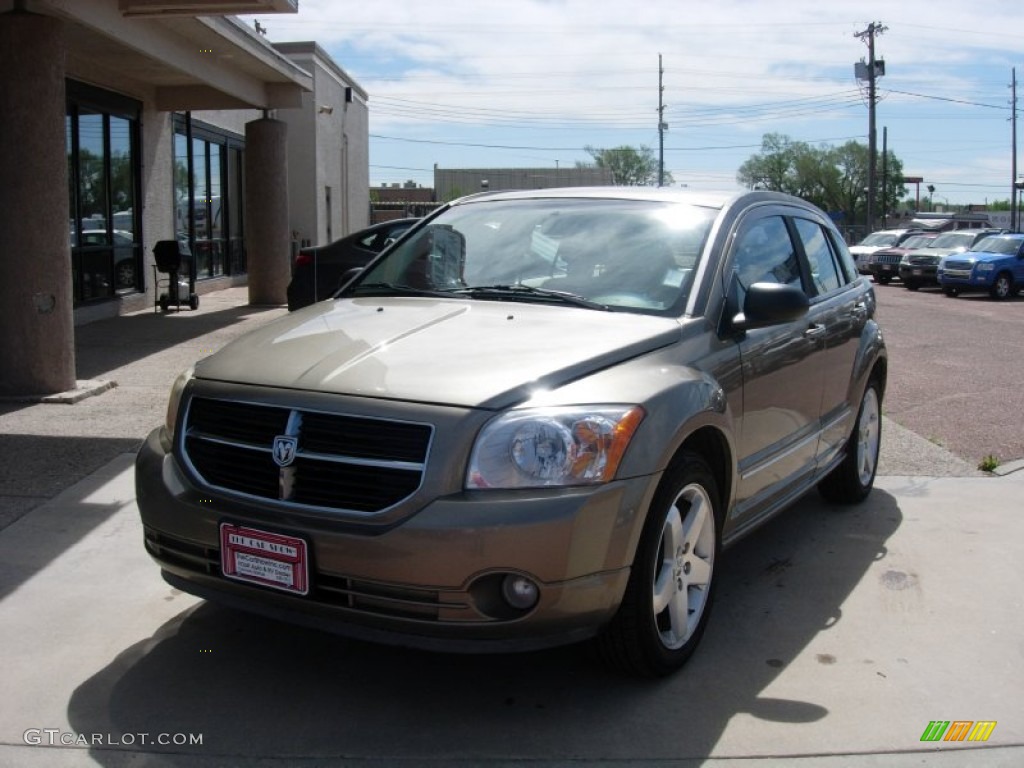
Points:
[912,286]
[883,279]
[1002,288]
[853,479]
[668,598]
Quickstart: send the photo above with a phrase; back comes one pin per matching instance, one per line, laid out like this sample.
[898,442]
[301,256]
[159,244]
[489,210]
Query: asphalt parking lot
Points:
[956,372]
[838,636]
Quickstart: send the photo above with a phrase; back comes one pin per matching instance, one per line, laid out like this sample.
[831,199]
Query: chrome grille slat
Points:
[342,462]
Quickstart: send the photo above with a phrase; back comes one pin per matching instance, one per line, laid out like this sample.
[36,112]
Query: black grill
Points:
[341,462]
[965,265]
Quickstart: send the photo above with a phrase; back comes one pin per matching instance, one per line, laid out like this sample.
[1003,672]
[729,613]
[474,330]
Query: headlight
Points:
[985,266]
[172,404]
[543,447]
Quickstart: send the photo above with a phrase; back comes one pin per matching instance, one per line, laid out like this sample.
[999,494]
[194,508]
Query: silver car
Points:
[533,421]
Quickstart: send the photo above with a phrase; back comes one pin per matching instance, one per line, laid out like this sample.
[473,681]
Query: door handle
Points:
[815,332]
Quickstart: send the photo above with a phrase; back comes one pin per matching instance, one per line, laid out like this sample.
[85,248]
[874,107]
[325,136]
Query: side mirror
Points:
[770,304]
[348,276]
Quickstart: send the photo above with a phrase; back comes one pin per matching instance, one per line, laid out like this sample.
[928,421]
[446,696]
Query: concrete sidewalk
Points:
[838,635]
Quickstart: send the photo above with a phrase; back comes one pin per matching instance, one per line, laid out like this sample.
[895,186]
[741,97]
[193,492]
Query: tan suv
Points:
[535,420]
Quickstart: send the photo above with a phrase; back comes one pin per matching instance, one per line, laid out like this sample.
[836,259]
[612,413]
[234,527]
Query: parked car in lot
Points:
[884,264]
[318,270]
[123,252]
[534,420]
[995,265]
[884,238]
[920,267]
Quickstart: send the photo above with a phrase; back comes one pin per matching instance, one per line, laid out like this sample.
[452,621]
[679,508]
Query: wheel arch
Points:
[710,444]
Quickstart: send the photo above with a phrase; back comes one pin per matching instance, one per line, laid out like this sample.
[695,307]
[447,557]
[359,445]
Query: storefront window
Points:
[211,176]
[101,130]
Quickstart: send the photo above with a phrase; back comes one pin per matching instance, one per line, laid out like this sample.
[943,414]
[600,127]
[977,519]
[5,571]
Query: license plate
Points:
[887,267]
[917,271]
[265,558]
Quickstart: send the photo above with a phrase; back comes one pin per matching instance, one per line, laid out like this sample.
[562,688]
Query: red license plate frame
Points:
[270,559]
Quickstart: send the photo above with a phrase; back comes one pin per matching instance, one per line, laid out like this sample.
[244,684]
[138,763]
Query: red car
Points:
[885,264]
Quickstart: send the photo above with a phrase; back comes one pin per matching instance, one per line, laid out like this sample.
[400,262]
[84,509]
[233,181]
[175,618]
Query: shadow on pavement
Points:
[35,468]
[256,689]
[109,344]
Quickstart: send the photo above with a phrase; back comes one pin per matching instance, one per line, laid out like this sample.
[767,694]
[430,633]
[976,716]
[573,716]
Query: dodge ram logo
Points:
[284,450]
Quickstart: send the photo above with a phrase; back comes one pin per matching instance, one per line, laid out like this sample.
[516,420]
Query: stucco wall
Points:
[338,156]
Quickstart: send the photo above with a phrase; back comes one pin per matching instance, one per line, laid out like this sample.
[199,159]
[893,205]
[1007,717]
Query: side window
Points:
[765,254]
[824,268]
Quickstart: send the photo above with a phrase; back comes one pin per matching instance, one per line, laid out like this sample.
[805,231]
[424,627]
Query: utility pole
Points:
[1014,208]
[874,70]
[662,125]
[885,178]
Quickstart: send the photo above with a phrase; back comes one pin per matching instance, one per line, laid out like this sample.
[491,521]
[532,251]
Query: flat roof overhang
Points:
[205,7]
[188,62]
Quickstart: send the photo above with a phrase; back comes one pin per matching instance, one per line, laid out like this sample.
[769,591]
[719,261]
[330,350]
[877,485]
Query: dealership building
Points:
[129,122]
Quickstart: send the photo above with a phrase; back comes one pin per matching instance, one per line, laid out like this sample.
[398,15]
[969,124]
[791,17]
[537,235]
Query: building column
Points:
[37,342]
[267,240]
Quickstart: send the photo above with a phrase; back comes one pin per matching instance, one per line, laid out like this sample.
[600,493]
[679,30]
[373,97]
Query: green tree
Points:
[833,178]
[630,166]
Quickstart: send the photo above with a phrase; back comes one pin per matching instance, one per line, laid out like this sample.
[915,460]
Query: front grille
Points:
[923,261]
[888,258]
[958,274]
[330,461]
[961,265]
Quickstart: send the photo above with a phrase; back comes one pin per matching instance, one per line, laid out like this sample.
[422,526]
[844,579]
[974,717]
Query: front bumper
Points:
[884,269]
[979,281]
[919,273]
[430,581]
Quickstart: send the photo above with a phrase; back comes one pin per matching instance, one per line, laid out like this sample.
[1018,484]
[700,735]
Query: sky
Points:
[531,83]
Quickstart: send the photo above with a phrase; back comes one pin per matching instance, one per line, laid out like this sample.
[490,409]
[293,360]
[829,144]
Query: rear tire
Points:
[670,590]
[853,479]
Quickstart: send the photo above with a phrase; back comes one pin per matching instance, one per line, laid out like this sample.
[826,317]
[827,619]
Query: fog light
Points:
[519,591]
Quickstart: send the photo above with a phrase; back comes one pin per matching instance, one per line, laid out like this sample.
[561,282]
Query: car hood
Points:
[937,251]
[453,352]
[975,256]
[861,250]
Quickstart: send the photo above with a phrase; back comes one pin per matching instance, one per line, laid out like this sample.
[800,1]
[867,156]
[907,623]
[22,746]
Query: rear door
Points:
[839,306]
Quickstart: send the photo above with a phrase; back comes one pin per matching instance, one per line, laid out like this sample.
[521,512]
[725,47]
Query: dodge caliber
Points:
[534,420]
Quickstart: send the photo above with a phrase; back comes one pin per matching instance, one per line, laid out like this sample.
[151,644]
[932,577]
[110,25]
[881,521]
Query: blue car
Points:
[995,264]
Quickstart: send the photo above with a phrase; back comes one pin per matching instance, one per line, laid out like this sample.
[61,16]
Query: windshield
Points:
[623,255]
[917,241]
[1005,245]
[879,238]
[953,240]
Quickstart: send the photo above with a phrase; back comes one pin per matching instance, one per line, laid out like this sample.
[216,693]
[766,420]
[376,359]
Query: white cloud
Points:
[553,73]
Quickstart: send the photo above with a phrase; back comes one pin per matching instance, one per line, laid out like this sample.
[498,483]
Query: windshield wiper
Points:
[520,292]
[387,289]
